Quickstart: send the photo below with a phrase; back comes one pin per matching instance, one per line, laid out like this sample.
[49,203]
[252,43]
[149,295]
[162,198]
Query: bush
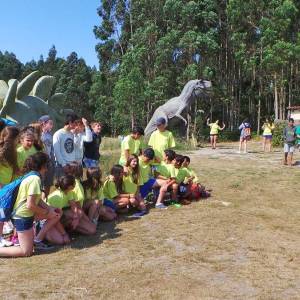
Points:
[277,140]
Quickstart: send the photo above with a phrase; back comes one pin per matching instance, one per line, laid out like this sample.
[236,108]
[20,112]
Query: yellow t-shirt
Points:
[60,199]
[129,186]
[23,154]
[161,141]
[134,147]
[192,173]
[94,195]
[214,128]
[145,171]
[267,127]
[6,174]
[79,192]
[166,170]
[109,189]
[29,186]
[181,174]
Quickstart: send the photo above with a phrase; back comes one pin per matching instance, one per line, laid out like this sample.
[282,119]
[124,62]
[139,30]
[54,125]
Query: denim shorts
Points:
[288,148]
[109,203]
[90,163]
[146,188]
[23,224]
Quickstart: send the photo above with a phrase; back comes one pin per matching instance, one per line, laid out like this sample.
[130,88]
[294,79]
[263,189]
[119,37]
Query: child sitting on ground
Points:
[93,204]
[64,198]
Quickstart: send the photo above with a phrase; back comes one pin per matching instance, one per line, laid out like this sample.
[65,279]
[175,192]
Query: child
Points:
[26,147]
[64,198]
[131,144]
[29,205]
[82,133]
[91,149]
[245,136]
[131,181]
[8,165]
[289,137]
[214,132]
[267,135]
[161,139]
[148,182]
[47,139]
[93,204]
[36,128]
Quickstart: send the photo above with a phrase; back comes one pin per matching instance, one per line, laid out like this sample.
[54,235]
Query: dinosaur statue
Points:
[175,106]
[24,102]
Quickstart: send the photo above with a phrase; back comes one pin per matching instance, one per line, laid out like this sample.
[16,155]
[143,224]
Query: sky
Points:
[29,28]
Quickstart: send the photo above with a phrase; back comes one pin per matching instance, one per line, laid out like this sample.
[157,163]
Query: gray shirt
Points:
[47,140]
[289,135]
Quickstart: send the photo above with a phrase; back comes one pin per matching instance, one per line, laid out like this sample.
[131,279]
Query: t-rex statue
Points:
[175,106]
[26,101]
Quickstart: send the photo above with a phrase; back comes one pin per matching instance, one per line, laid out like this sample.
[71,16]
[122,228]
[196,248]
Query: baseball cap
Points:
[160,121]
[44,119]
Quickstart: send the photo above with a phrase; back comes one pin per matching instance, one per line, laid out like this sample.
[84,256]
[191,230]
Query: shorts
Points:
[245,138]
[288,148]
[23,224]
[90,163]
[109,203]
[182,189]
[48,179]
[215,134]
[268,136]
[146,188]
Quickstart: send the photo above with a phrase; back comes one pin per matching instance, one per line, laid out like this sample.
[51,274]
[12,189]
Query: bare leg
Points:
[240,146]
[85,226]
[212,141]
[25,248]
[264,144]
[245,146]
[215,141]
[285,161]
[47,226]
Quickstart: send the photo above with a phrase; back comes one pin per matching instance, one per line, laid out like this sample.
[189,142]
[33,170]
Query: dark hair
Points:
[179,159]
[93,180]
[35,162]
[291,120]
[70,118]
[170,154]
[149,153]
[186,158]
[138,129]
[74,169]
[116,171]
[36,128]
[2,125]
[246,120]
[64,182]
[8,151]
[136,170]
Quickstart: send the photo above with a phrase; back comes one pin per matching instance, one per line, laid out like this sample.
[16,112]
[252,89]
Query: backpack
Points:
[8,196]
[247,130]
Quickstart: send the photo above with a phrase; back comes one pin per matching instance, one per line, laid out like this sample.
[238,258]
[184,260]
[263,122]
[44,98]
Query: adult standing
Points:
[214,132]
[245,135]
[267,127]
[289,137]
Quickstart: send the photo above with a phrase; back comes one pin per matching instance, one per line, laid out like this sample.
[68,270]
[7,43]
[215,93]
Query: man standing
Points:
[289,137]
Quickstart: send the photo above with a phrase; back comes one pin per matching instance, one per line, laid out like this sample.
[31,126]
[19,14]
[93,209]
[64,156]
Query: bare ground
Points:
[243,243]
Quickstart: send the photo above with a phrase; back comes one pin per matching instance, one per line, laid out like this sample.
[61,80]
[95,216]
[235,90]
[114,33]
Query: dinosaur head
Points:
[200,86]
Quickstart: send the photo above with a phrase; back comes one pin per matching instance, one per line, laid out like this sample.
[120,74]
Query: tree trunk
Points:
[275,98]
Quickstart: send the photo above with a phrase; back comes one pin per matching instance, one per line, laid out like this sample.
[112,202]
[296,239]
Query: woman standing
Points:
[267,127]
[214,132]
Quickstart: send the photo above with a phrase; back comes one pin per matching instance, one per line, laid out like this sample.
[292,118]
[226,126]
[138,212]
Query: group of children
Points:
[63,191]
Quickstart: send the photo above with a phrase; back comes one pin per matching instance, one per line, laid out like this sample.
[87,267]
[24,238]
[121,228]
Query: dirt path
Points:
[243,243]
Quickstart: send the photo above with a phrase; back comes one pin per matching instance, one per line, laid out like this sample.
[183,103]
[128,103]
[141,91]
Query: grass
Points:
[243,243]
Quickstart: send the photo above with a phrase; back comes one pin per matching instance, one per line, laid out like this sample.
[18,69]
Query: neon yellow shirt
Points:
[267,127]
[145,171]
[109,189]
[166,170]
[181,174]
[23,154]
[60,199]
[79,192]
[214,128]
[30,186]
[134,147]
[6,174]
[192,173]
[161,141]
[94,195]
[129,186]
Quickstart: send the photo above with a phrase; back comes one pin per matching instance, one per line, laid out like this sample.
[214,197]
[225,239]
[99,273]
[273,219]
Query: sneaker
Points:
[140,214]
[5,243]
[161,206]
[15,241]
[40,245]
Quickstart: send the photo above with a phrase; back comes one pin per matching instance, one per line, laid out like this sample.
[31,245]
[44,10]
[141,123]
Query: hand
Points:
[208,119]
[85,122]
[52,214]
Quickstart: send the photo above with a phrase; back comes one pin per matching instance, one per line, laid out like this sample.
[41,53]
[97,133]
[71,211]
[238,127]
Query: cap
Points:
[44,119]
[160,121]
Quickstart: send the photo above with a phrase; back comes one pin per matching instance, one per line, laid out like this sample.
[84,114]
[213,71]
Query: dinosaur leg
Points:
[182,118]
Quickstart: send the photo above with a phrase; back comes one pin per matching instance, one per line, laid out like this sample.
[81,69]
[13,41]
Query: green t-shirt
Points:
[23,154]
[214,128]
[94,195]
[161,141]
[129,186]
[145,171]
[298,134]
[134,147]
[60,199]
[110,189]
[6,174]
[79,192]
[30,186]
[181,174]
[166,170]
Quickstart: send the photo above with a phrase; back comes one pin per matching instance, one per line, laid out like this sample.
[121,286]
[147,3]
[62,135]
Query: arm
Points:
[88,135]
[57,152]
[41,210]
[207,121]
[222,128]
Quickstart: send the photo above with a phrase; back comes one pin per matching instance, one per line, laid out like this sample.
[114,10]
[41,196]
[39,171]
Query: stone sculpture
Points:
[24,102]
[175,106]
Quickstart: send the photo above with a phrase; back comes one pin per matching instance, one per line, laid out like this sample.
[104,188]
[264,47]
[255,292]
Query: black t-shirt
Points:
[91,149]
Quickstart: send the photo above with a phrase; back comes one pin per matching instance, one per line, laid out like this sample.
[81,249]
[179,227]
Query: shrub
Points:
[278,133]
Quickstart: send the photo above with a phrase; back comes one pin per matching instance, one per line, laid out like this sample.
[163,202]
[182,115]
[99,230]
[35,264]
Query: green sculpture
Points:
[24,102]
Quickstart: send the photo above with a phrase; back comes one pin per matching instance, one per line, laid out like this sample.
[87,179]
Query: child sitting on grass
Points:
[93,204]
[131,180]
[64,198]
